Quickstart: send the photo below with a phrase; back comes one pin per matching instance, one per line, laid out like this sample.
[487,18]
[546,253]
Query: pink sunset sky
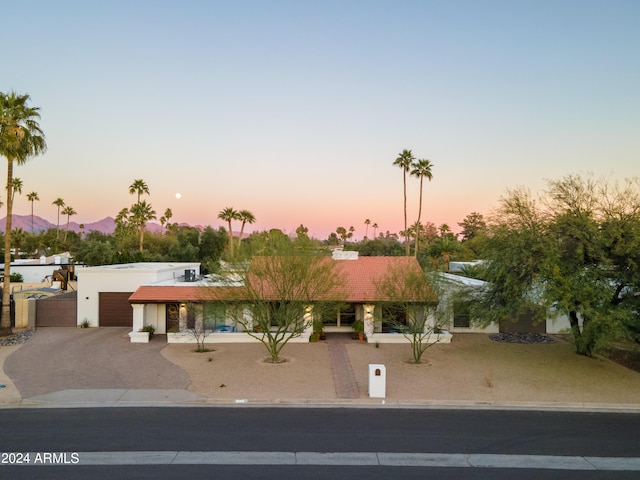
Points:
[297,110]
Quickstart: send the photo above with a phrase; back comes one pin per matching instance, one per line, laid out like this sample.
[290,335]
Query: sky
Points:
[296,110]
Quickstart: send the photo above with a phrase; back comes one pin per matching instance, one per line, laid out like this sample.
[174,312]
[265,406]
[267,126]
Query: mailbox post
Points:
[377,380]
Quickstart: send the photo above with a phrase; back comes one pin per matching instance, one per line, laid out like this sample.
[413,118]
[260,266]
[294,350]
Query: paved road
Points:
[247,442]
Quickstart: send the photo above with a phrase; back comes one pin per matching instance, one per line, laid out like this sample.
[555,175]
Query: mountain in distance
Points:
[106,225]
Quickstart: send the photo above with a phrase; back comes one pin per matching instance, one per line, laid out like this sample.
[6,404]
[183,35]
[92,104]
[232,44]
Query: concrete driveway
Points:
[75,359]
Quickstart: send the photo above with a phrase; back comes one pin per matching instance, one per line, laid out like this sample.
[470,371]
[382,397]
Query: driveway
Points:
[57,359]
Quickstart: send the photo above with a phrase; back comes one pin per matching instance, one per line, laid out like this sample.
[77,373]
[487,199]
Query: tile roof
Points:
[360,277]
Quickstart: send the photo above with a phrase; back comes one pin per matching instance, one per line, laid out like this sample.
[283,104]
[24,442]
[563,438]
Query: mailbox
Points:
[377,380]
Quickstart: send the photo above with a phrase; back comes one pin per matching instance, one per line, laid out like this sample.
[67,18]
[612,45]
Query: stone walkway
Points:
[343,377]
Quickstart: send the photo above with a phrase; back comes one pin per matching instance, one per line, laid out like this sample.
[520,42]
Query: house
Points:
[104,291]
[461,322]
[44,269]
[170,306]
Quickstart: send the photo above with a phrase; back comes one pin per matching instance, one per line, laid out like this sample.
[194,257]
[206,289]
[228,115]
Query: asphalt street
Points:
[250,442]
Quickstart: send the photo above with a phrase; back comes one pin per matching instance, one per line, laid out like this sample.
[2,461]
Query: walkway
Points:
[343,377]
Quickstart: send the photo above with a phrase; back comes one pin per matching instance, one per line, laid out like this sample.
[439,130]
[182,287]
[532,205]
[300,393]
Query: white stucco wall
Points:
[121,278]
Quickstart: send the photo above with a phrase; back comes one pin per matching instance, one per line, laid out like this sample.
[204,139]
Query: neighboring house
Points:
[460,320]
[43,269]
[172,306]
[104,291]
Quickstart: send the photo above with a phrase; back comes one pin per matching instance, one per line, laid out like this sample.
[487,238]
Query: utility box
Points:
[377,380]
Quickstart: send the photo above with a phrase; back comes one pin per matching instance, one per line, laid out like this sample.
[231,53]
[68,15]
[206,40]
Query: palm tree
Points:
[167,216]
[17,185]
[405,161]
[32,197]
[17,237]
[247,217]
[227,215]
[59,203]
[445,230]
[375,230]
[138,187]
[68,211]
[367,222]
[422,170]
[141,213]
[20,139]
[123,227]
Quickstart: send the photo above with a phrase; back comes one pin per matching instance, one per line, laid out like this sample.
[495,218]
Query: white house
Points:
[104,291]
[166,305]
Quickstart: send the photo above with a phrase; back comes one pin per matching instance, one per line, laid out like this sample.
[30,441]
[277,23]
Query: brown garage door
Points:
[57,311]
[115,309]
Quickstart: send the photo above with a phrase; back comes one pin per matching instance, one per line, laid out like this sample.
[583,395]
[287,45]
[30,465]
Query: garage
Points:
[115,309]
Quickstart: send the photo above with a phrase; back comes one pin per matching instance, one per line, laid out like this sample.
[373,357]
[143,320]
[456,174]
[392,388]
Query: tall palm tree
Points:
[227,215]
[138,187]
[141,213]
[20,139]
[367,222]
[247,217]
[32,197]
[375,230]
[68,211]
[422,170]
[405,161]
[58,202]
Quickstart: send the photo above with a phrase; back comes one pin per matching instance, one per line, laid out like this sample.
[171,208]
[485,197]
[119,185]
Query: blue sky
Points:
[295,110]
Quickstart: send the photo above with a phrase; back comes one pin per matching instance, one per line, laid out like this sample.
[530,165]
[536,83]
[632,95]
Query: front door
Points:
[173,317]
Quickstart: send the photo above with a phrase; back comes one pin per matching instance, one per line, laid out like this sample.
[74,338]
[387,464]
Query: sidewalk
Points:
[89,367]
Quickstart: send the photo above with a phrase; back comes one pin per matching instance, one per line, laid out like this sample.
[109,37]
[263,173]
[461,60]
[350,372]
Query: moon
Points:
[178,195]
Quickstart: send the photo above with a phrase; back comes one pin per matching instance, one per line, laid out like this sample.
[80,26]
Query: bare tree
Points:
[410,303]
[282,294]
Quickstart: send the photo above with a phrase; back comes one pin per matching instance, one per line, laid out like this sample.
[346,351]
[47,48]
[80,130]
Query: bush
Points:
[16,277]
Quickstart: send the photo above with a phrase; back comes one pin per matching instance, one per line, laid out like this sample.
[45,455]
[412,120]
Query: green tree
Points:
[138,187]
[32,197]
[69,212]
[283,292]
[410,295]
[571,252]
[123,226]
[473,225]
[422,170]
[246,217]
[367,222]
[141,214]
[18,236]
[58,202]
[228,215]
[211,246]
[94,251]
[166,217]
[20,139]
[405,161]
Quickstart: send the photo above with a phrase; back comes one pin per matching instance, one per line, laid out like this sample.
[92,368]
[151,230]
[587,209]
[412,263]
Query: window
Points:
[461,317]
[347,315]
[285,314]
[393,318]
[191,316]
[215,315]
